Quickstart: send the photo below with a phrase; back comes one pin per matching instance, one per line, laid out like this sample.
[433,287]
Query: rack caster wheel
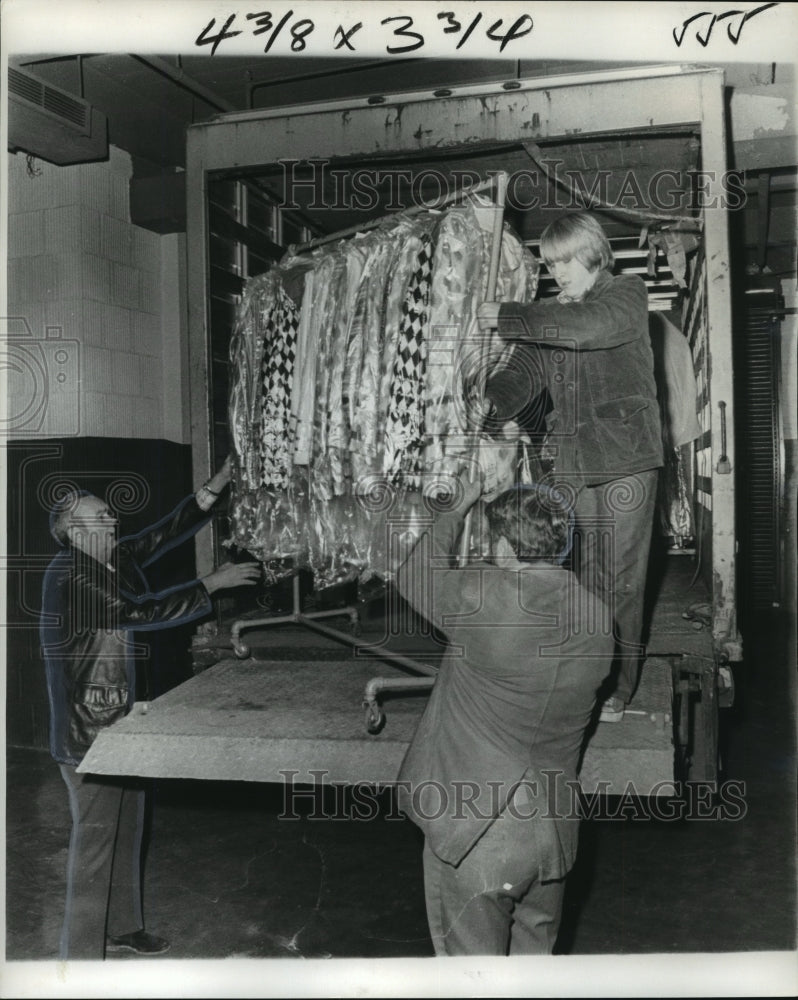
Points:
[375,718]
[242,652]
[354,623]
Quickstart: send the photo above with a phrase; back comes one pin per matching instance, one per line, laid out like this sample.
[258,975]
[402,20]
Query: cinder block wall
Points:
[81,272]
[97,375]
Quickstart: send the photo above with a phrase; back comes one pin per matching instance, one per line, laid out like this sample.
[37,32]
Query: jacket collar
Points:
[602,280]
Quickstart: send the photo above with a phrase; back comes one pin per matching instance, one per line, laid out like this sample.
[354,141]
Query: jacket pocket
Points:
[623,409]
[620,433]
[95,707]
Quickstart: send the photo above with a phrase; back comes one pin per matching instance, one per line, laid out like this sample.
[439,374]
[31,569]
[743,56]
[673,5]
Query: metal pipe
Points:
[375,717]
[723,468]
[380,652]
[332,613]
[535,154]
[493,277]
[292,618]
[185,81]
[378,684]
[763,218]
[372,223]
[247,623]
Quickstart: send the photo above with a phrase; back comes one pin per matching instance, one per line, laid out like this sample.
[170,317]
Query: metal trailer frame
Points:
[594,104]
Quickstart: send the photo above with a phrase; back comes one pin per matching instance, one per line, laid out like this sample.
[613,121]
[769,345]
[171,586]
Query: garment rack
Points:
[374,713]
[499,179]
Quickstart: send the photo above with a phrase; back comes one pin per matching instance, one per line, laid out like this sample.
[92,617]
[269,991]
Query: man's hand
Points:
[480,410]
[498,459]
[488,315]
[232,575]
[469,488]
[513,432]
[222,477]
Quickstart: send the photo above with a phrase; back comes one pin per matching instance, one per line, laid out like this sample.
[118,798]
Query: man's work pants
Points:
[103,893]
[614,523]
[493,902]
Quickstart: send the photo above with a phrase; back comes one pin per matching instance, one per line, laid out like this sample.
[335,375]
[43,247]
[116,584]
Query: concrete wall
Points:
[80,272]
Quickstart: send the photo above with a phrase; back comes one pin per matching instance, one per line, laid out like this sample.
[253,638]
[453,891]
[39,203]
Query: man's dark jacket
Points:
[600,373]
[512,700]
[87,611]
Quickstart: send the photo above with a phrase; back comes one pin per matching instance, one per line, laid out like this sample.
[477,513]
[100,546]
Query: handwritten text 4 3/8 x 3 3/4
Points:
[402,35]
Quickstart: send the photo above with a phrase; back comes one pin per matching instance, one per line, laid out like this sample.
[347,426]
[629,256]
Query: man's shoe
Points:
[139,942]
[612,710]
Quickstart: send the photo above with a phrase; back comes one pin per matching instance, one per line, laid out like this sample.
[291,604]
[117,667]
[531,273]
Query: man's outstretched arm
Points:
[191,514]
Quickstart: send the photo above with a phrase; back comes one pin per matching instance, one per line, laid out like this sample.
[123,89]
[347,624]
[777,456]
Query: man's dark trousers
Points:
[614,522]
[104,850]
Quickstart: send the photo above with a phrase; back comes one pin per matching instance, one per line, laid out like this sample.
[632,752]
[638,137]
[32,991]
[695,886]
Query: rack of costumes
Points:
[357,367]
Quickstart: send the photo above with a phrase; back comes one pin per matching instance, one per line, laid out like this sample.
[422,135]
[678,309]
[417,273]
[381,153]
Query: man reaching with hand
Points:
[95,592]
[489,776]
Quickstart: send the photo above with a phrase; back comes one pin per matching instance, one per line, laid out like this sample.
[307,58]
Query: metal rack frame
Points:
[375,717]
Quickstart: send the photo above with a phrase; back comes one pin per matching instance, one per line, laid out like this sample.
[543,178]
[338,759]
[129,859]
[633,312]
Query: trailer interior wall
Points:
[465,124]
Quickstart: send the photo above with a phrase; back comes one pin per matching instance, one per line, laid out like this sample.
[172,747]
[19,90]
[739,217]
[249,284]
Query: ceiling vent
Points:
[52,124]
